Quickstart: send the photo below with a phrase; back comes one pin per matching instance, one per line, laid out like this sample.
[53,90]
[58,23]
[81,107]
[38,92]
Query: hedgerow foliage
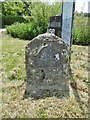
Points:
[40,14]
[37,21]
[81,30]
[24,30]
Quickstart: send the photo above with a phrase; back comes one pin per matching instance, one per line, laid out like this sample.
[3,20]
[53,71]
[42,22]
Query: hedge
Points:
[8,20]
[81,28]
[30,30]
[81,36]
[24,30]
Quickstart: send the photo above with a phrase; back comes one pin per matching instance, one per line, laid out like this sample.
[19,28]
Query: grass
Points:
[13,57]
[13,85]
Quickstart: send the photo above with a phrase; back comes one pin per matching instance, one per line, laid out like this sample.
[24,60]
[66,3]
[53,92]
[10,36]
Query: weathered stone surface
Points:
[47,67]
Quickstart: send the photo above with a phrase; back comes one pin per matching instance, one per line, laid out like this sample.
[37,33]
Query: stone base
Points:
[49,91]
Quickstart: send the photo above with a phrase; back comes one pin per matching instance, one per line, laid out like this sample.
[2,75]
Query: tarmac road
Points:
[2,29]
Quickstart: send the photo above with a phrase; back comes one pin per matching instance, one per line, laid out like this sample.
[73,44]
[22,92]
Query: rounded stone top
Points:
[42,39]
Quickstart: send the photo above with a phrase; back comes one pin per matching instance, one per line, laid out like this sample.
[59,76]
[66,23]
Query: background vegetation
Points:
[8,20]
[34,18]
[24,31]
[81,30]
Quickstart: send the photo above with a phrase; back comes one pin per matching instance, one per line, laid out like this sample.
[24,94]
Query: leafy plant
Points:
[8,20]
[38,21]
[24,31]
[81,31]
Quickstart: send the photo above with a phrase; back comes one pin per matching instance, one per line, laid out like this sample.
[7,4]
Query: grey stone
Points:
[52,31]
[47,67]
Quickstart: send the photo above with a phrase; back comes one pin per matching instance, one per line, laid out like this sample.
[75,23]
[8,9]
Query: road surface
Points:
[2,29]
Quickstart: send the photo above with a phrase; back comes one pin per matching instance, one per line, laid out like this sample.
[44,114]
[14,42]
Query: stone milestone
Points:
[47,67]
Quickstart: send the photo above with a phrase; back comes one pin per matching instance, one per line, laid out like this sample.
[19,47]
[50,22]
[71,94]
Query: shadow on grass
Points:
[76,94]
